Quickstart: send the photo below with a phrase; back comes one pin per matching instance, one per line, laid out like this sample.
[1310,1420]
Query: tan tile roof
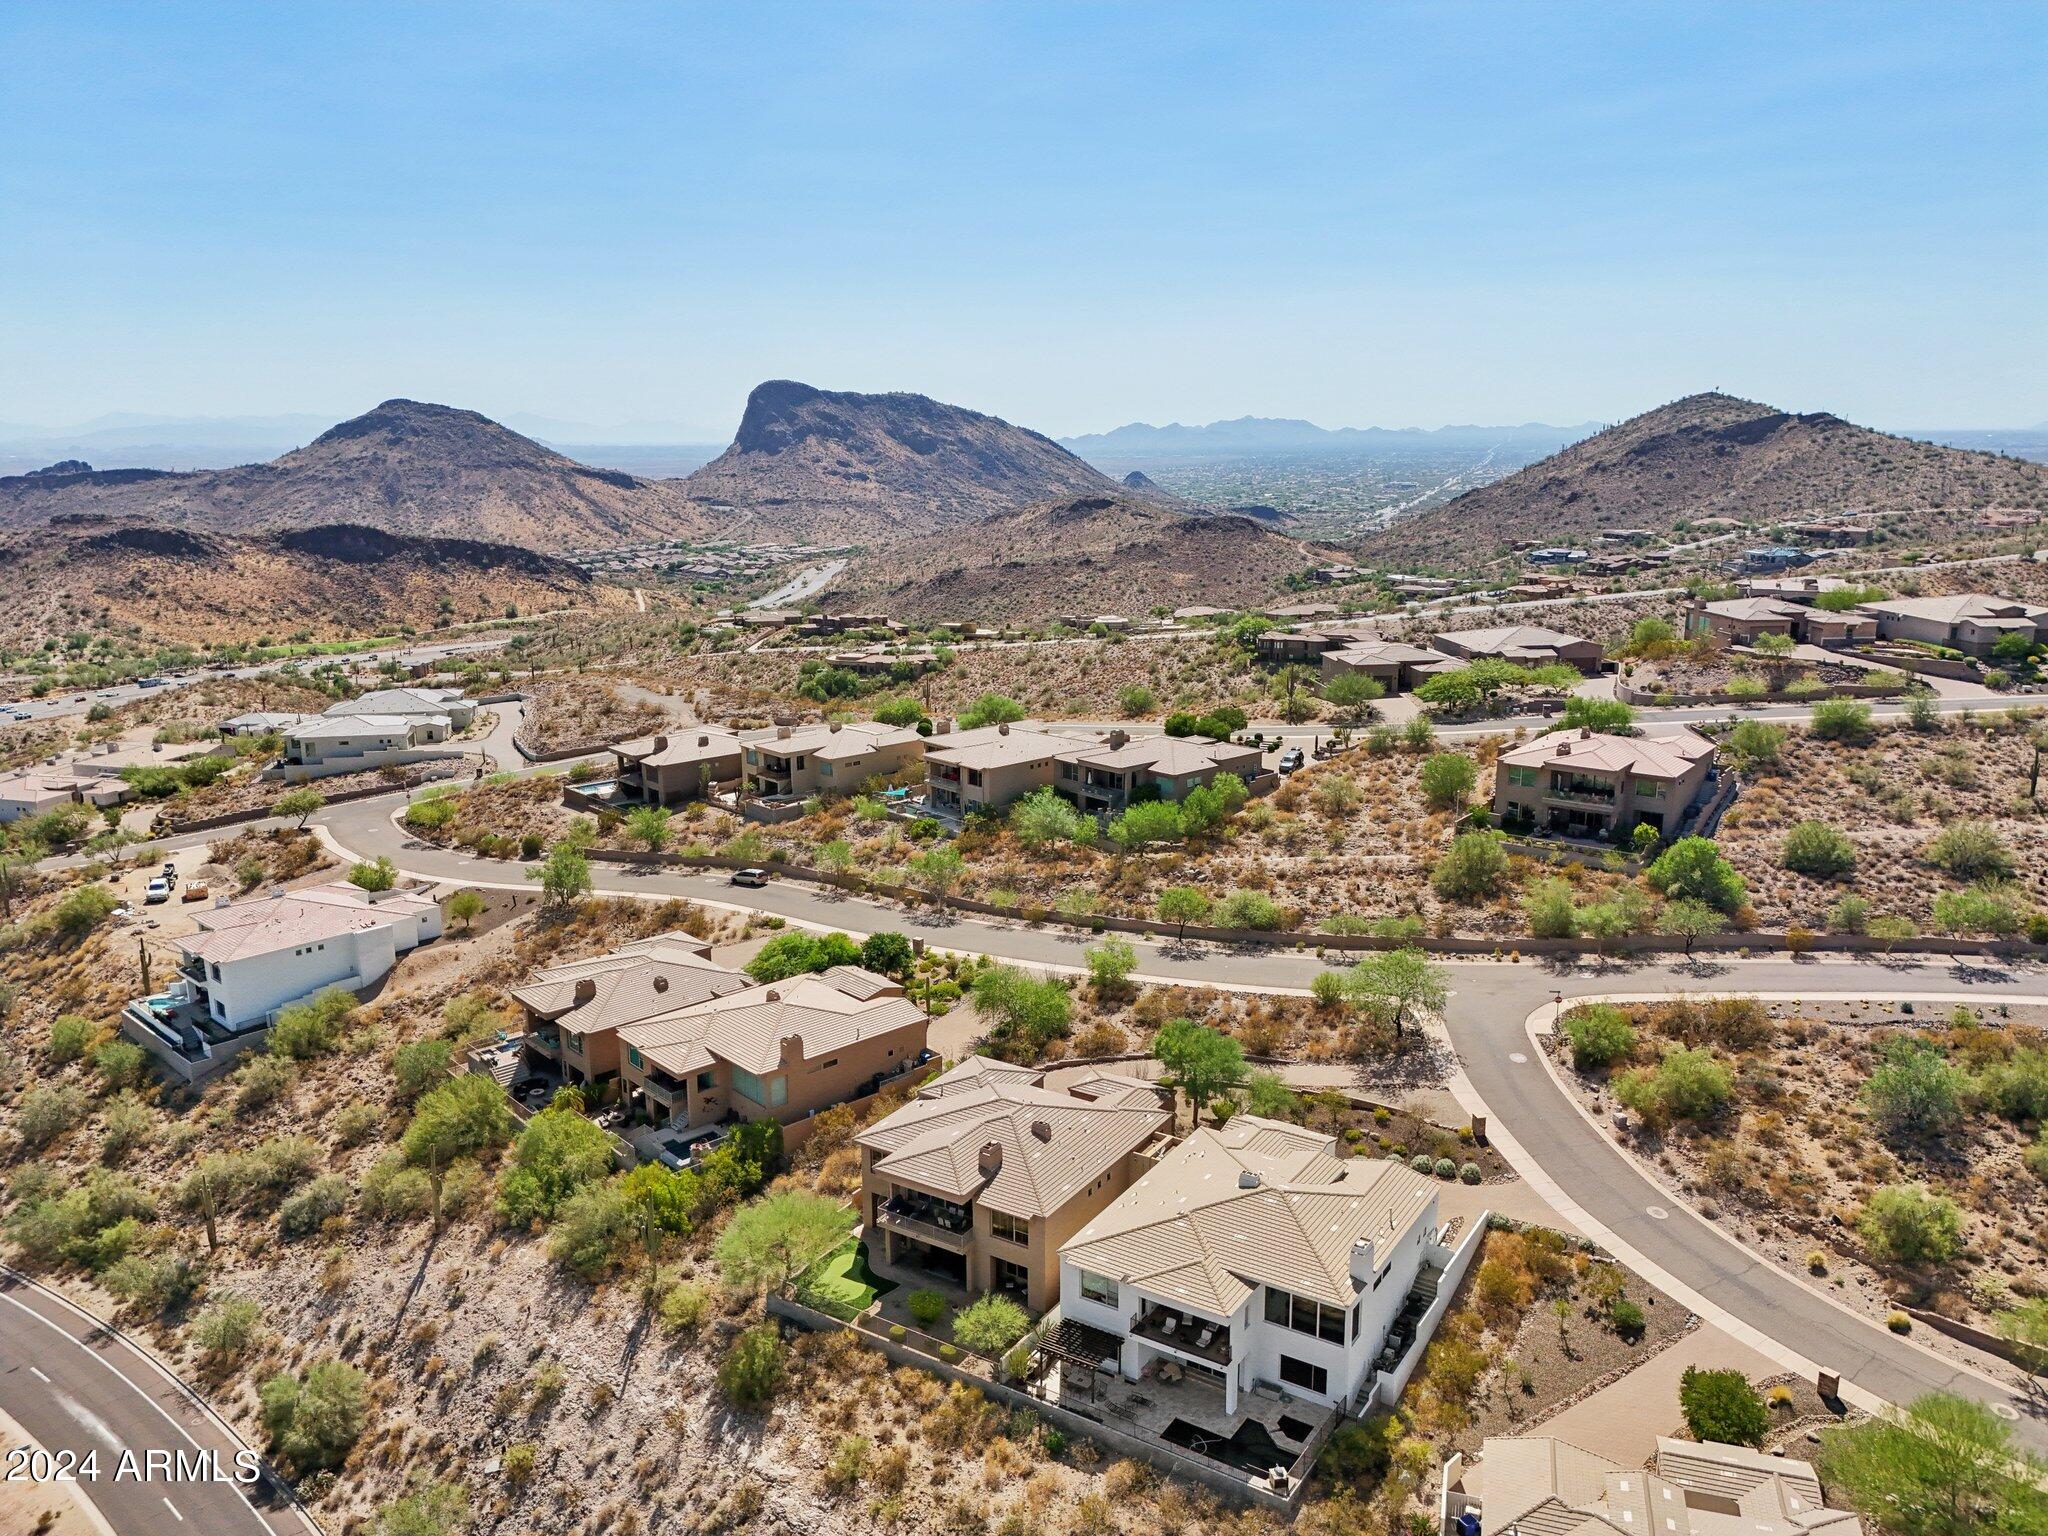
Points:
[275,923]
[1508,639]
[750,1029]
[1259,1202]
[854,739]
[1052,1144]
[668,749]
[994,746]
[858,983]
[652,976]
[1667,755]
[1976,607]
[326,727]
[1386,653]
[400,701]
[1173,756]
[1755,608]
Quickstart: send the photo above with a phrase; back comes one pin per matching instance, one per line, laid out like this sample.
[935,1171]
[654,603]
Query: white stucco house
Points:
[322,745]
[1254,1255]
[248,959]
[446,702]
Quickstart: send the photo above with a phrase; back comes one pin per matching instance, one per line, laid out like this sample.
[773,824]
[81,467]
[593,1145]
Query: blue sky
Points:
[1072,215]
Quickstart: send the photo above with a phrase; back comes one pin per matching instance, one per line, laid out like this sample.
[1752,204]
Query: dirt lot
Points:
[1793,1161]
[564,712]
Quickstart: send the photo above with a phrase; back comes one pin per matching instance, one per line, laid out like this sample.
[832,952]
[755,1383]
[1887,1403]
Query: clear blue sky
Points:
[1072,215]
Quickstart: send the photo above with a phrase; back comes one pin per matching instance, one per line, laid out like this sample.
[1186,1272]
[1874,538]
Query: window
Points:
[1524,778]
[1011,1229]
[1007,1275]
[1300,1315]
[1649,789]
[824,770]
[633,1055]
[1099,1289]
[703,1082]
[1299,1373]
[575,1043]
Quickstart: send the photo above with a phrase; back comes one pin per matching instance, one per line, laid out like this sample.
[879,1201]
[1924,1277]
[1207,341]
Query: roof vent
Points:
[1042,1129]
[1247,1179]
[991,1158]
[661,983]
[782,733]
[1118,739]
[773,997]
[703,741]
[1003,730]
[835,725]
[1564,749]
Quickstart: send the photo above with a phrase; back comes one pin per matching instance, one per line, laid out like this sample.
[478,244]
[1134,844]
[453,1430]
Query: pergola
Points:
[1080,1346]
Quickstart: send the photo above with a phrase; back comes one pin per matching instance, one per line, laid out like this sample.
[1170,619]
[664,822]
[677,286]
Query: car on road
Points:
[750,877]
[1290,760]
[158,890]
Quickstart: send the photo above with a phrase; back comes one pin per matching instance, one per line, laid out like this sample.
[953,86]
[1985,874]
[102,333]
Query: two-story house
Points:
[1254,1254]
[676,767]
[322,745]
[1526,645]
[445,702]
[781,1052]
[1587,784]
[834,759]
[250,958]
[1120,771]
[985,769]
[982,1176]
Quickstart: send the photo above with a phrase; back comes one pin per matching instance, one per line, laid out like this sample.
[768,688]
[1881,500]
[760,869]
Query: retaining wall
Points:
[261,812]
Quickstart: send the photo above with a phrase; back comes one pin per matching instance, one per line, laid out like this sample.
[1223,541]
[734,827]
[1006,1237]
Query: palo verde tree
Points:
[1203,1061]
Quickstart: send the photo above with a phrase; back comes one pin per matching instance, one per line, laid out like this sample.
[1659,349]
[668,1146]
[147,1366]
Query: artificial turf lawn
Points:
[844,1277]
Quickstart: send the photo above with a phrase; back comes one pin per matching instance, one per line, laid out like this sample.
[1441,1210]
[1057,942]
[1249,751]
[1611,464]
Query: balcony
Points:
[1184,1333]
[544,1043]
[930,1221]
[1581,792]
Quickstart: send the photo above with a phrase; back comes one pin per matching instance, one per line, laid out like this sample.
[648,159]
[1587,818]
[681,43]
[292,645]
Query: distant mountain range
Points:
[1712,455]
[1269,434]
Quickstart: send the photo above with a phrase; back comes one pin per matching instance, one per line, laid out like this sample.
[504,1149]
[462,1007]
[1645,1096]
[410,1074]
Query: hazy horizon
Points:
[1070,216]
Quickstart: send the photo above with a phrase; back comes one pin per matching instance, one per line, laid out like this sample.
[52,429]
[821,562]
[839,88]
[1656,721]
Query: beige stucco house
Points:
[1970,622]
[833,759]
[1526,645]
[1393,664]
[574,1012]
[1739,620]
[678,766]
[1586,784]
[1119,771]
[982,1176]
[987,768]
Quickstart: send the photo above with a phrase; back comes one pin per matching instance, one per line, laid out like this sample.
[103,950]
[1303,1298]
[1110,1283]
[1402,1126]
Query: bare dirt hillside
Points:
[406,467]
[1713,455]
[179,584]
[828,466]
[1089,555]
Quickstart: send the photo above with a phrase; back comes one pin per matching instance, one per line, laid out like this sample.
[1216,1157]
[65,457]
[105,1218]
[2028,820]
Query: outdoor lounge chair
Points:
[1203,1341]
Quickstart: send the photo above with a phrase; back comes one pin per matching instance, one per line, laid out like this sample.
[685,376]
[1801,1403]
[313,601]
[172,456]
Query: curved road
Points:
[75,1386]
[1486,1021]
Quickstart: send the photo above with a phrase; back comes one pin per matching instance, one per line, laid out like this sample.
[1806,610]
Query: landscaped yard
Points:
[841,1283]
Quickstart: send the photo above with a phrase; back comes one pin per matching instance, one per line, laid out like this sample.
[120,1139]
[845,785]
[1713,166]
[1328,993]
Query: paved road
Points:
[75,1387]
[1485,1021]
[806,583]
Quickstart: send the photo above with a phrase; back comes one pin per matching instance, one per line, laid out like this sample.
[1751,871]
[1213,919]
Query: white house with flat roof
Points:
[248,959]
[1255,1255]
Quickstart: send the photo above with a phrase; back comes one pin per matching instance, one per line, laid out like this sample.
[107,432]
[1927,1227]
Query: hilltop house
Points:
[1120,771]
[323,745]
[251,958]
[987,768]
[1739,620]
[1276,647]
[259,722]
[30,792]
[1970,622]
[1254,1255]
[984,1174]
[834,759]
[676,767]
[782,1052]
[1526,645]
[446,703]
[1536,1483]
[1393,664]
[1588,784]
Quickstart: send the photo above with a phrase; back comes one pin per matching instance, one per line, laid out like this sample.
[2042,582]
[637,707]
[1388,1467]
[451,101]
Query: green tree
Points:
[1914,1090]
[1692,869]
[770,1241]
[899,712]
[1401,980]
[886,954]
[663,1204]
[1111,963]
[1472,867]
[564,875]
[991,709]
[593,1230]
[1651,638]
[1201,1061]
[465,907]
[1689,920]
[1911,1225]
[1721,1406]
[1024,1015]
[420,1065]
[1817,849]
[556,1153]
[80,910]
[1354,694]
[937,871]
[752,1368]
[1252,910]
[1447,780]
[313,1027]
[428,1508]
[649,824]
[464,1117]
[301,803]
[1943,1466]
[1043,817]
[1183,904]
[991,1325]
[314,1420]
[379,874]
[1754,744]
[1984,908]
[1266,1095]
[1971,850]
[1843,720]
[1550,910]
[1688,1084]
[1608,716]
[1149,821]
[1136,699]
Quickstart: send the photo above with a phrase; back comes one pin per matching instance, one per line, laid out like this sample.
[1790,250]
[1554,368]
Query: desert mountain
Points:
[179,583]
[1713,455]
[826,466]
[405,467]
[1268,434]
[1114,553]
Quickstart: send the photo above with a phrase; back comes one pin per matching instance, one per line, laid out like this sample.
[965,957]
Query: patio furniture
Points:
[1208,1335]
[1168,1322]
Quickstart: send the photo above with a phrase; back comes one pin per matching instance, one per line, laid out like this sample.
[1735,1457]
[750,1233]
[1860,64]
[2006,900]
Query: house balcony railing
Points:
[1581,794]
[930,1225]
[544,1042]
[1184,1333]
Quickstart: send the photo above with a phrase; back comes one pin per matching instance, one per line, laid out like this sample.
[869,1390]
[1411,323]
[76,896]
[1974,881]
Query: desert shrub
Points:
[1688,1084]
[120,1063]
[1971,850]
[1983,908]
[925,1306]
[1626,1318]
[990,1325]
[1474,866]
[1817,849]
[1251,910]
[314,1420]
[313,1027]
[421,1065]
[752,1368]
[557,1152]
[684,1308]
[1024,1015]
[1914,1090]
[1912,1225]
[1600,1035]
[226,1328]
[1843,720]
[1550,910]
[46,1111]
[1447,779]
[355,1124]
[1468,1173]
[1722,1406]
[594,1228]
[70,1037]
[1692,869]
[797,954]
[309,1209]
[2017,1087]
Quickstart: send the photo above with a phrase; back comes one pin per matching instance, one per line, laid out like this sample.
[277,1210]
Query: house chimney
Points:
[661,744]
[835,725]
[1564,749]
[703,741]
[585,990]
[1247,1179]
[1042,1129]
[773,996]
[1585,733]
[991,1158]
[1362,1261]
[1118,739]
[661,983]
[782,733]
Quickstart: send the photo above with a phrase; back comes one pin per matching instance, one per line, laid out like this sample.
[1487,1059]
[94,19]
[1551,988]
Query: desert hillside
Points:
[825,466]
[1092,554]
[180,584]
[1712,455]
[406,467]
